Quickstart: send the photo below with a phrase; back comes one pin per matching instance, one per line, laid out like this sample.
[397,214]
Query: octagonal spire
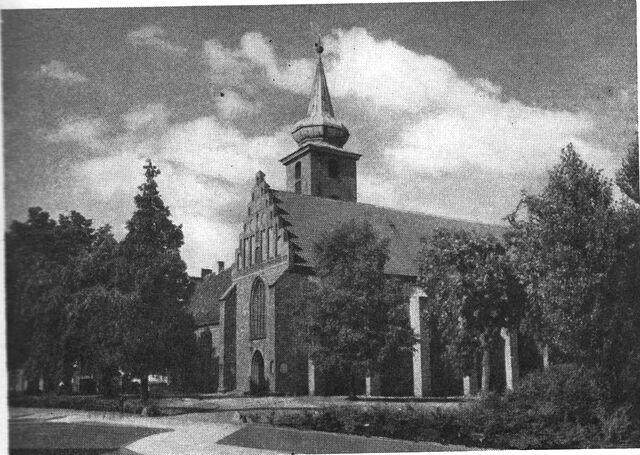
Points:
[320,124]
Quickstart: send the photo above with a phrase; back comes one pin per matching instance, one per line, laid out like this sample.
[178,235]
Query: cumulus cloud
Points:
[256,61]
[449,120]
[231,105]
[458,148]
[84,131]
[59,71]
[207,168]
[154,116]
[153,36]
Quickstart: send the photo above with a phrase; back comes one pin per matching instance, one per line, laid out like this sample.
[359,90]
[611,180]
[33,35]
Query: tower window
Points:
[257,310]
[333,169]
[298,170]
[298,187]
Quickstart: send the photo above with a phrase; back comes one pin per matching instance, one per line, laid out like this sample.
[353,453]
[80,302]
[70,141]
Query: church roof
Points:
[308,218]
[204,304]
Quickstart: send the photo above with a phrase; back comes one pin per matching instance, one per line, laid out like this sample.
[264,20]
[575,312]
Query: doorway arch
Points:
[257,382]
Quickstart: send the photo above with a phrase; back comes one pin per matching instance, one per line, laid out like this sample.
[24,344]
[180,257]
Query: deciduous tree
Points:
[41,277]
[578,253]
[472,294]
[628,176]
[357,316]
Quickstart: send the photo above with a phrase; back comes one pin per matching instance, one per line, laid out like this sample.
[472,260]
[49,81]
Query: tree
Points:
[628,176]
[41,277]
[156,327]
[357,316]
[473,293]
[95,311]
[579,255]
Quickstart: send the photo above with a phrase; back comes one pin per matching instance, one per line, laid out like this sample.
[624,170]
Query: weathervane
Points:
[318,45]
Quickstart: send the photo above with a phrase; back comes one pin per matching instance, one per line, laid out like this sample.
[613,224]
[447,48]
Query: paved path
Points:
[216,433]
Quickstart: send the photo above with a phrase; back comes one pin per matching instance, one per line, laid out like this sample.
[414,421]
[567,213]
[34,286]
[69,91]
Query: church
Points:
[243,312]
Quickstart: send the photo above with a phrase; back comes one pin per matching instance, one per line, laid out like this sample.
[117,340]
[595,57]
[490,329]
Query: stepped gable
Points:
[308,218]
[204,304]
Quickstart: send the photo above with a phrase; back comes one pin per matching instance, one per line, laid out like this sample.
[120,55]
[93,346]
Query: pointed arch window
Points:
[257,310]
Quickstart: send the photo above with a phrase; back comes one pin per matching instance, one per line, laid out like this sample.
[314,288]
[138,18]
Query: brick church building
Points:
[243,311]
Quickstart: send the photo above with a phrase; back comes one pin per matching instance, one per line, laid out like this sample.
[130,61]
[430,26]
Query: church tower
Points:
[320,166]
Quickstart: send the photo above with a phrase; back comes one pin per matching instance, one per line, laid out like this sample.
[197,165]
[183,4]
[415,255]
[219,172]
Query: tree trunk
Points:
[486,369]
[144,387]
[106,383]
[545,357]
[352,385]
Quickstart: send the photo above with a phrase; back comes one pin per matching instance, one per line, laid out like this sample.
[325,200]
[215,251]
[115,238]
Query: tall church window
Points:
[333,168]
[257,310]
[258,254]
[298,170]
[267,247]
[275,240]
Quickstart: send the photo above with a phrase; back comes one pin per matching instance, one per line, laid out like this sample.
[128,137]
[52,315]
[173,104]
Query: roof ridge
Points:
[410,212]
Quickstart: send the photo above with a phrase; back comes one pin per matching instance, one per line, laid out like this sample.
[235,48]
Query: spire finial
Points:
[318,45]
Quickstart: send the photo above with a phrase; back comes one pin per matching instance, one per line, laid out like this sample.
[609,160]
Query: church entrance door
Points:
[257,382]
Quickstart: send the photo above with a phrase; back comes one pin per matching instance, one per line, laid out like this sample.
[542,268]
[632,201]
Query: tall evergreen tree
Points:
[157,329]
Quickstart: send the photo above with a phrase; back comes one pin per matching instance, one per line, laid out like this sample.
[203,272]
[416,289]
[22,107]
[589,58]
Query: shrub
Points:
[150,411]
[563,407]
[78,402]
[564,393]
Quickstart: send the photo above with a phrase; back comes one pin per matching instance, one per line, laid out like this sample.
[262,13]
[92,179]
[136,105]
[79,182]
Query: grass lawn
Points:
[37,437]
[291,440]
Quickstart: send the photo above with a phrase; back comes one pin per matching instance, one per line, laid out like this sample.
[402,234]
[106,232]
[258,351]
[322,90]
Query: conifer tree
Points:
[157,328]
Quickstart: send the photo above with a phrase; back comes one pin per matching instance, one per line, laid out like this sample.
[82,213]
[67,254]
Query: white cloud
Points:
[207,168]
[461,148]
[230,105]
[458,121]
[86,132]
[255,61]
[59,71]
[153,36]
[152,116]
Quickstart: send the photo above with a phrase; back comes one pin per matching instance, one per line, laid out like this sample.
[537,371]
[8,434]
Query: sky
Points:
[456,108]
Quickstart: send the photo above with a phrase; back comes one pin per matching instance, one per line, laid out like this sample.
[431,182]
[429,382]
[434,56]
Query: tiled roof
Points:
[205,301]
[308,218]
